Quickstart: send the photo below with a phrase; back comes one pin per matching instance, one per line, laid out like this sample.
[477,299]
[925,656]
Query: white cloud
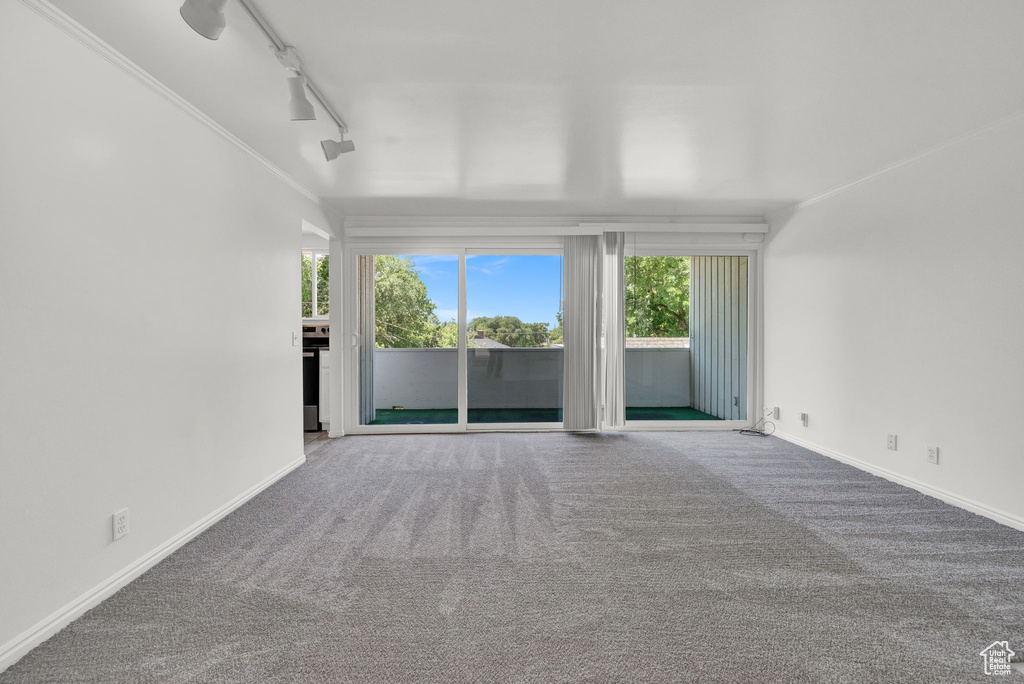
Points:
[492,268]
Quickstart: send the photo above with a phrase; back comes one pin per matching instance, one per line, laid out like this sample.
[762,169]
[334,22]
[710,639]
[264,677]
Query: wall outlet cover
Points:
[120,523]
[933,455]
[890,442]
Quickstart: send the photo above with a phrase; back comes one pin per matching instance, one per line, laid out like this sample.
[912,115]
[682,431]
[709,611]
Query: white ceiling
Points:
[590,107]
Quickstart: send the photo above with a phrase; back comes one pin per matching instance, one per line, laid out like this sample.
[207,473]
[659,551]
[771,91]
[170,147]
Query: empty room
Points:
[659,341]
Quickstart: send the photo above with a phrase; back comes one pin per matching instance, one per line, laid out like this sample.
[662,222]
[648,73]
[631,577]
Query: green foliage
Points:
[556,332]
[447,335]
[405,317]
[510,331]
[404,313]
[323,293]
[307,286]
[657,296]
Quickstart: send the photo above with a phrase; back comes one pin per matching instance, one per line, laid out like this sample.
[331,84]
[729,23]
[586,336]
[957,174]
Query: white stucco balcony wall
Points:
[517,378]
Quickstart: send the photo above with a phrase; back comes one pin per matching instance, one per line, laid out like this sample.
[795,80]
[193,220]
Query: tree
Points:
[307,285]
[657,296]
[556,332]
[404,313]
[447,335]
[510,331]
[323,293]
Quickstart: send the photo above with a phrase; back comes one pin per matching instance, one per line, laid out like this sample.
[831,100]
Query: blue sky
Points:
[505,285]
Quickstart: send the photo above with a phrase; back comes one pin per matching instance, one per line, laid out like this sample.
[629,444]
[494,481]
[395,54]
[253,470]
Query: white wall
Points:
[149,281]
[311,241]
[895,307]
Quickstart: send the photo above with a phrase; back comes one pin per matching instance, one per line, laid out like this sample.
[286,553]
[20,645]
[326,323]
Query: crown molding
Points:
[906,161]
[62,21]
[458,226]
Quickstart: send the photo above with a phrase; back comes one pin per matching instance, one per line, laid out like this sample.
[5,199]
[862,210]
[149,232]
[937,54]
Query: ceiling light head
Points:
[206,17]
[300,108]
[335,148]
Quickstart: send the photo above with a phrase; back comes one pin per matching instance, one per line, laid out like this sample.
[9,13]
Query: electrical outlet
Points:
[773,412]
[120,523]
[933,455]
[803,419]
[890,442]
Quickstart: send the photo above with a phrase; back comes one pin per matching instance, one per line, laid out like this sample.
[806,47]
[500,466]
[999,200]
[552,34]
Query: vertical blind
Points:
[718,335]
[613,327]
[582,329]
[366,327]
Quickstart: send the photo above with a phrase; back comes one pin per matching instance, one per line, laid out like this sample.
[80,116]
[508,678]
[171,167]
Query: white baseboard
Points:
[952,499]
[17,647]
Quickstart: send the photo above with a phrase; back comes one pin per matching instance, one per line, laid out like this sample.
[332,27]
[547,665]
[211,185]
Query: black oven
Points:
[315,338]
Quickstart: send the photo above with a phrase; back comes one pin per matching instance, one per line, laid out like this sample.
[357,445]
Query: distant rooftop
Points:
[481,342]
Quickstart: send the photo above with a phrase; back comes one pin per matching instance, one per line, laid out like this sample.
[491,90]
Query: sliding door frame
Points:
[456,243]
[421,246]
[352,341]
[755,321]
[464,388]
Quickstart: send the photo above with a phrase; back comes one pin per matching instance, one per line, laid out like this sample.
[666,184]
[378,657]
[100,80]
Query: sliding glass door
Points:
[514,345]
[409,339]
[686,329]
[472,339]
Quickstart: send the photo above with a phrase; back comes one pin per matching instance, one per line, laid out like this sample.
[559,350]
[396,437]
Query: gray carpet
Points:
[656,557]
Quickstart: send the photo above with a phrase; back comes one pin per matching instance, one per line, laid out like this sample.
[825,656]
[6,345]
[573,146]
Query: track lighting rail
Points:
[206,17]
[279,47]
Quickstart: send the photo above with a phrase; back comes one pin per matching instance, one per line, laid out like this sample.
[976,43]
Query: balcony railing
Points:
[520,378]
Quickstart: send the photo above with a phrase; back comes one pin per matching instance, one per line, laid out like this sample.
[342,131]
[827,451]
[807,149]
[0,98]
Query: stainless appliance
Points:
[314,339]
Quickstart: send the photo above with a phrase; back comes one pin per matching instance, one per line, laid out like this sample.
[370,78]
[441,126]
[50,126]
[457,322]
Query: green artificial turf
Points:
[450,416]
[667,413]
[515,415]
[416,416]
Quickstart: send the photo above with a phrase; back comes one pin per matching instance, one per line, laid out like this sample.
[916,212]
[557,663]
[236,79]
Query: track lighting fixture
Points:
[335,148]
[299,108]
[206,17]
